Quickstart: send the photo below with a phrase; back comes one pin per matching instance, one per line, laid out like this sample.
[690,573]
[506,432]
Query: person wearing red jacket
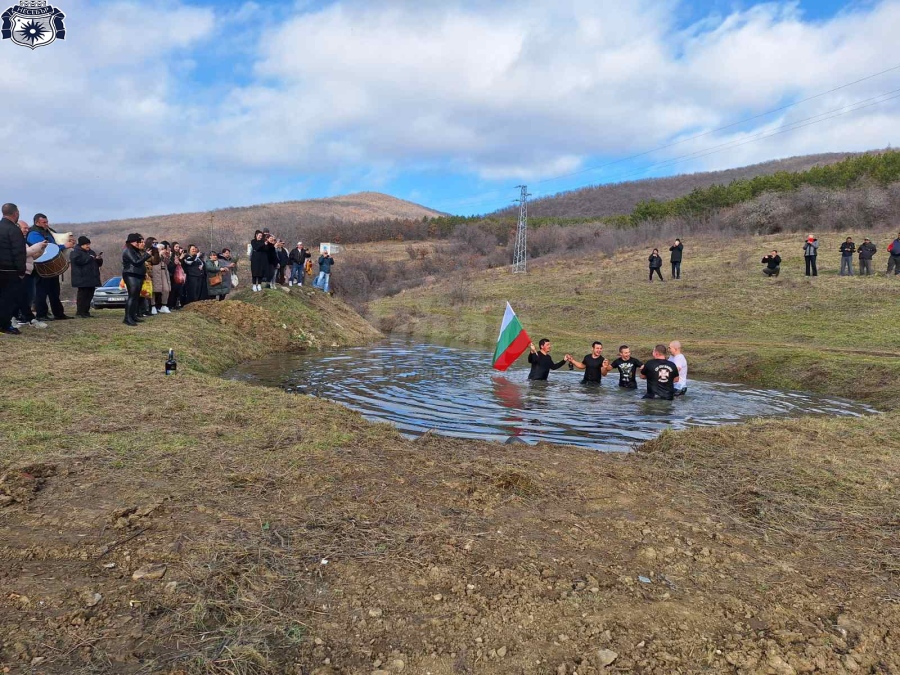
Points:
[894,256]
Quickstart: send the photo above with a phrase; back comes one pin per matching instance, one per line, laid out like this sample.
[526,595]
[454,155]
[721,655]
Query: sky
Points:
[183,105]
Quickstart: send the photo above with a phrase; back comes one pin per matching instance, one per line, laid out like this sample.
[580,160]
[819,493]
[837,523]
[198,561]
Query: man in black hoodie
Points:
[85,266]
[12,266]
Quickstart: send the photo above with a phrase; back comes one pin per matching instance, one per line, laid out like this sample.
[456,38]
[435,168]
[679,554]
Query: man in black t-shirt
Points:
[661,375]
[628,368]
[593,364]
[541,361]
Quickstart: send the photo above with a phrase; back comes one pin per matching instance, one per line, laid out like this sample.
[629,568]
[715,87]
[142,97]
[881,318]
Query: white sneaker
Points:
[165,310]
[153,311]
[36,324]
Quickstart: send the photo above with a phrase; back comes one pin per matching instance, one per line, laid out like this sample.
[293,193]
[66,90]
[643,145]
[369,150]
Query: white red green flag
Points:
[512,341]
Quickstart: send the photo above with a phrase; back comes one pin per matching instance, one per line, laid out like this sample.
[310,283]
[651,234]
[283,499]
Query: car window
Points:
[113,282]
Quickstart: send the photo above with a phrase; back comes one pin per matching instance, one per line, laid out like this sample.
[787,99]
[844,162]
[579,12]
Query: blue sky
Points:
[158,107]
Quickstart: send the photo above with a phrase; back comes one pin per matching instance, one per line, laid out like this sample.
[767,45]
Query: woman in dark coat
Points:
[272,254]
[85,266]
[134,270]
[259,260]
[655,264]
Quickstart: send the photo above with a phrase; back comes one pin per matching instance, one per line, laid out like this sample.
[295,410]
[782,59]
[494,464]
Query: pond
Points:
[453,391]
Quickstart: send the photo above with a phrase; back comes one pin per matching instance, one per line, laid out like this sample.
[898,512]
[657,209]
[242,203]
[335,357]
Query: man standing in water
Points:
[661,375]
[627,367]
[676,357]
[541,361]
[595,367]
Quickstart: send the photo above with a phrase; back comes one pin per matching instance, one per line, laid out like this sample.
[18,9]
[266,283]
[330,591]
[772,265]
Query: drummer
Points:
[26,289]
[46,288]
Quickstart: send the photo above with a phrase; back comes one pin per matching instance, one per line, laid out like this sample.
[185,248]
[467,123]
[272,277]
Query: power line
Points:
[482,199]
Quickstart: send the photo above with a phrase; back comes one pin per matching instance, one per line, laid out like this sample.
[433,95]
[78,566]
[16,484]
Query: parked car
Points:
[110,295]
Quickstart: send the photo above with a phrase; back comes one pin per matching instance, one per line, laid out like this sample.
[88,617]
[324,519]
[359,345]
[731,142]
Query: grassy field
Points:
[828,334]
[195,525]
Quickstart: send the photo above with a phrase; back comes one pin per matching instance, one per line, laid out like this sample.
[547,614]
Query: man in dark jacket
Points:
[46,288]
[773,264]
[847,249]
[284,263]
[12,266]
[298,258]
[85,266]
[866,250]
[676,250]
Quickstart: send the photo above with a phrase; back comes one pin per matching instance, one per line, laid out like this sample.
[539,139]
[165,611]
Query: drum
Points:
[52,263]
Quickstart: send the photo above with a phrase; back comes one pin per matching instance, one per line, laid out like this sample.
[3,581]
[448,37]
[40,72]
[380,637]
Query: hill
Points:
[280,217]
[615,199]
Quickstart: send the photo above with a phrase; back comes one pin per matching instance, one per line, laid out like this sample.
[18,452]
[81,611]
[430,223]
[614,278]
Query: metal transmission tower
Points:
[521,252]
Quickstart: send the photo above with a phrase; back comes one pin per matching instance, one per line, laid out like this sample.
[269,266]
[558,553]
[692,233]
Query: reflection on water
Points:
[454,392]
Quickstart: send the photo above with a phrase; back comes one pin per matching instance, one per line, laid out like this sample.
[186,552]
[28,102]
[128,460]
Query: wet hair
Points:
[543,342]
[38,216]
[621,347]
[660,349]
[595,343]
[10,209]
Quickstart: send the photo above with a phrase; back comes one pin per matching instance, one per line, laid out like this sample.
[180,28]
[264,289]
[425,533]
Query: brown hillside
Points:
[358,207]
[615,199]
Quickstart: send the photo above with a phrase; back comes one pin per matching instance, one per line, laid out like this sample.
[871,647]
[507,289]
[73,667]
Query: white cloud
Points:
[127,117]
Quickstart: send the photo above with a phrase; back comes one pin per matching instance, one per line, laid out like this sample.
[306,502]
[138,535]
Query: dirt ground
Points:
[193,525]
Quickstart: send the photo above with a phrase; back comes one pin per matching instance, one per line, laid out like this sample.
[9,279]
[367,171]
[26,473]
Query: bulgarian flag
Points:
[512,341]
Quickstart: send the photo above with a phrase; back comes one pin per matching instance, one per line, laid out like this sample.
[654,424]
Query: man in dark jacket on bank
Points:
[847,249]
[12,266]
[85,266]
[676,250]
[866,250]
[195,275]
[773,264]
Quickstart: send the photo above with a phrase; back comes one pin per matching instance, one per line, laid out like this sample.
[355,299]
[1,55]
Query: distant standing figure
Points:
[866,250]
[541,361]
[655,264]
[894,260]
[676,357]
[85,275]
[661,375]
[326,262]
[675,258]
[810,253]
[773,264]
[847,249]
